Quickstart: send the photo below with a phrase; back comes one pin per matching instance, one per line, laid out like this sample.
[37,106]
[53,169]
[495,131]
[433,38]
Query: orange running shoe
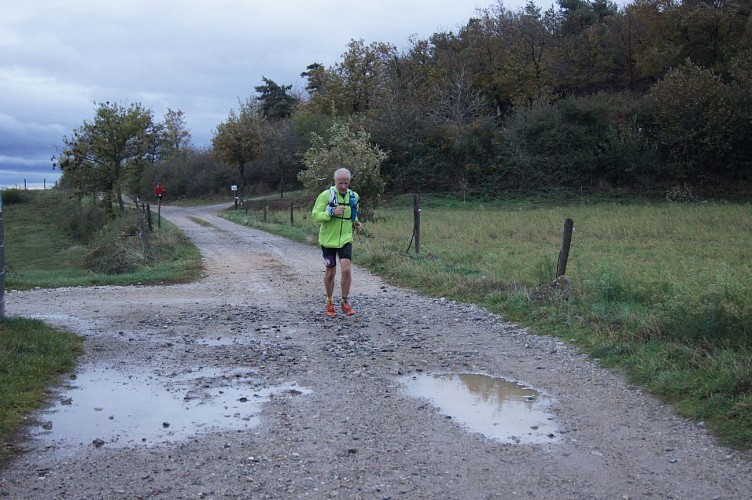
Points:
[347,309]
[330,311]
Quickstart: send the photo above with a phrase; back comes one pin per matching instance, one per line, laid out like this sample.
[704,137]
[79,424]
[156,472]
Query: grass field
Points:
[661,290]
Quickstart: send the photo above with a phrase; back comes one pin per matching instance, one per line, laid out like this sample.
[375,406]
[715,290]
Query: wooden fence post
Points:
[147,213]
[566,240]
[143,220]
[292,206]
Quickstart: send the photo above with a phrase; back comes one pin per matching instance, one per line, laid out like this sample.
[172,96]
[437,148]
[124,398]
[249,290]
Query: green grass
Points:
[32,357]
[661,290]
[40,251]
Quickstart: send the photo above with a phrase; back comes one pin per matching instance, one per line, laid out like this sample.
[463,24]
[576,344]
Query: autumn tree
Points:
[237,140]
[400,113]
[350,149]
[585,54]
[701,124]
[348,87]
[106,154]
[510,54]
[280,156]
[176,135]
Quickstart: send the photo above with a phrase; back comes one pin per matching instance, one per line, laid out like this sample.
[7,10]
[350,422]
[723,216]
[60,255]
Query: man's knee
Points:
[345,271]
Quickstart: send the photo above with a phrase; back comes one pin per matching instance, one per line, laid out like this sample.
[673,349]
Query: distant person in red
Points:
[159,190]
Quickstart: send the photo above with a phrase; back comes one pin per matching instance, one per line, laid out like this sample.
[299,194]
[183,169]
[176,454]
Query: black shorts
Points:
[331,254]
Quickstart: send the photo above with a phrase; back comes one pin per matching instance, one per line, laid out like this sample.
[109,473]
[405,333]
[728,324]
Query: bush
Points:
[118,247]
[12,195]
[575,142]
[702,125]
[86,220]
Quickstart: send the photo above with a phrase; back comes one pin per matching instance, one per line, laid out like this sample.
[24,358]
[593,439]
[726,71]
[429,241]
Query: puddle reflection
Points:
[499,409]
[128,410]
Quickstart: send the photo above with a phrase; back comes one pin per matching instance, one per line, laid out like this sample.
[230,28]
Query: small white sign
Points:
[234,187]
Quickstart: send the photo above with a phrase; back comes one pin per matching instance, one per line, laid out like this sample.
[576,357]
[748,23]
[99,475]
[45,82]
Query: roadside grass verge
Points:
[32,357]
[41,249]
[660,290]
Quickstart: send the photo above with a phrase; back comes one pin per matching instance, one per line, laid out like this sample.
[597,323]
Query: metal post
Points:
[566,240]
[2,261]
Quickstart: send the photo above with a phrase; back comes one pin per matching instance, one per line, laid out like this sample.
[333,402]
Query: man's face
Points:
[342,182]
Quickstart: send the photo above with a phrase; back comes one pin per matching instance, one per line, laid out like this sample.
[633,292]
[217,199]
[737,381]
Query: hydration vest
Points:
[334,201]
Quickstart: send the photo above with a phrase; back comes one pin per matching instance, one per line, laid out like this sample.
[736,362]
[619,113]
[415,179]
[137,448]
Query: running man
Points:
[336,209]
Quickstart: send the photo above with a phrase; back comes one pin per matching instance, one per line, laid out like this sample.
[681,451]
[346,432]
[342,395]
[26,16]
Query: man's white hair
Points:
[342,170]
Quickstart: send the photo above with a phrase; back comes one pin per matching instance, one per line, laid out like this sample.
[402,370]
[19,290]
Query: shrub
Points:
[12,195]
[86,220]
[575,142]
[118,247]
[702,124]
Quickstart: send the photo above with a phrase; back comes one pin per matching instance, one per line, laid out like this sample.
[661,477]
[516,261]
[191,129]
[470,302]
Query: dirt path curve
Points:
[334,419]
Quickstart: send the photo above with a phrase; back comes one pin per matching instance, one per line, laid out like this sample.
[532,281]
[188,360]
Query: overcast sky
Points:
[59,57]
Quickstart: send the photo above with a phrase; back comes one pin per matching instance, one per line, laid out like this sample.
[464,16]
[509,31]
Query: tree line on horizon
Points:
[654,95]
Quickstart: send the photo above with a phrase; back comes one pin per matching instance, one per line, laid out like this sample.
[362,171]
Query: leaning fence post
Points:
[566,240]
[416,221]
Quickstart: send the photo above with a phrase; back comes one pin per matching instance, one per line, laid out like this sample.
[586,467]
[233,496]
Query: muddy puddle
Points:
[106,407]
[499,409]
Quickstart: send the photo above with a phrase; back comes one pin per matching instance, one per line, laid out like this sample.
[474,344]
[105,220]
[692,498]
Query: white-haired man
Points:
[336,209]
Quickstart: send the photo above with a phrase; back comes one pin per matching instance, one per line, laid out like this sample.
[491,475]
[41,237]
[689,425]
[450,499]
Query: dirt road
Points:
[307,406]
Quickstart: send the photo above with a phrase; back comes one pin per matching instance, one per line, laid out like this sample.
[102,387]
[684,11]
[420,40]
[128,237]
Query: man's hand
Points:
[358,225]
[339,210]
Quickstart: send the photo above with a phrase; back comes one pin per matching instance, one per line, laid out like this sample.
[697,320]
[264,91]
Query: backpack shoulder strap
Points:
[333,196]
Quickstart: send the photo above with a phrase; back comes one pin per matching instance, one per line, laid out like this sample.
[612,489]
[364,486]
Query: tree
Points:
[350,149]
[102,153]
[510,54]
[274,101]
[455,99]
[401,109]
[701,124]
[349,86]
[586,55]
[315,74]
[176,135]
[237,140]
